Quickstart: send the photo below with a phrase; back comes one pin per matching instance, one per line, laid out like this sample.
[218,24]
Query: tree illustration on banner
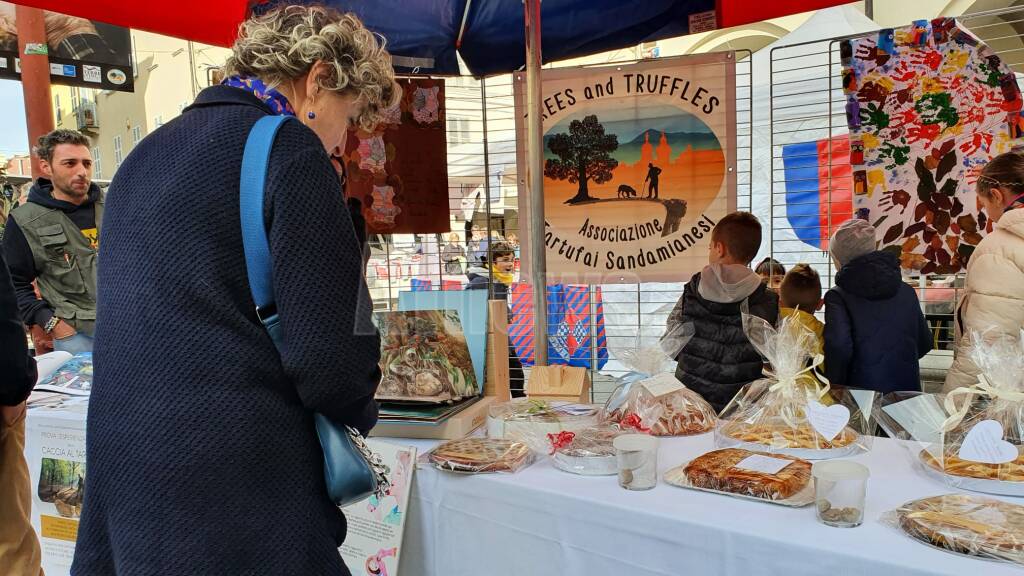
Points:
[584,154]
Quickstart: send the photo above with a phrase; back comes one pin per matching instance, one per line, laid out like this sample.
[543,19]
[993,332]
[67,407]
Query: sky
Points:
[628,122]
[13,132]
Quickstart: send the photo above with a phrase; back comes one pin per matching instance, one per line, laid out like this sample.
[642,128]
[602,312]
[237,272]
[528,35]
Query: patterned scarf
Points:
[271,97]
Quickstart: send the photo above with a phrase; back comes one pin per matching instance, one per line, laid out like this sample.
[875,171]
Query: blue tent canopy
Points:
[424,34]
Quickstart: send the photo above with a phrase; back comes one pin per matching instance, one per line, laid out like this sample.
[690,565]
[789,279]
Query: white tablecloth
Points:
[542,522]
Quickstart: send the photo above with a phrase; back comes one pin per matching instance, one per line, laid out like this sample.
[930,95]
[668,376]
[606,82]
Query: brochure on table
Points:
[373,544]
[55,451]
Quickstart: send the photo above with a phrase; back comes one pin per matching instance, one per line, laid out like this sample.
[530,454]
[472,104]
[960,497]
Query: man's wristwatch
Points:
[51,324]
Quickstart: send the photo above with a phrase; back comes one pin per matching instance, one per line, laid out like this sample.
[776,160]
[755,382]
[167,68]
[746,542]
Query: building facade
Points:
[168,74]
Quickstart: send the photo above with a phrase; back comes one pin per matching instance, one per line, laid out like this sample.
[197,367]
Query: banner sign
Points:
[82,52]
[639,165]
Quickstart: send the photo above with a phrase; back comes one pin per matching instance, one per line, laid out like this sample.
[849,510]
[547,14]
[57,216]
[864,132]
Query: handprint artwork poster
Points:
[399,171]
[927,106]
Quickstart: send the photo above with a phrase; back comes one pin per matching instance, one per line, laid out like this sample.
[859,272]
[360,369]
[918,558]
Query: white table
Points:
[542,522]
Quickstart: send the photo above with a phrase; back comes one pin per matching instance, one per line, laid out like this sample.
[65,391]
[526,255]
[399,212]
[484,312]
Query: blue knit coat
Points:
[201,451]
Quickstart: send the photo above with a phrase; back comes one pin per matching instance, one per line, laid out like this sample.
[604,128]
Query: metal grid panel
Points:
[808,103]
[483,195]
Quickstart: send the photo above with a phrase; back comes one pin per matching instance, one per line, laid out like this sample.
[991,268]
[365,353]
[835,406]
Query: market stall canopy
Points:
[427,34]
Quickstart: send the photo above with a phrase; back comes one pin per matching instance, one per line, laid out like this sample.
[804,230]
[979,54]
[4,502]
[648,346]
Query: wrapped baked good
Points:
[965,524]
[652,399]
[588,452]
[793,410]
[481,455]
[973,437]
[530,421]
[772,477]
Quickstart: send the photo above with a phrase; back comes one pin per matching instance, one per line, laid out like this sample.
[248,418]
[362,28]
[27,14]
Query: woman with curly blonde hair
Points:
[202,454]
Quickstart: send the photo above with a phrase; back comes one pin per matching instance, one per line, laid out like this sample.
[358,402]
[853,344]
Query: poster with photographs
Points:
[81,52]
[55,452]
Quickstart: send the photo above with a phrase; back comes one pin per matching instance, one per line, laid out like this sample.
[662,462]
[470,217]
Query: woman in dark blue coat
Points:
[202,455]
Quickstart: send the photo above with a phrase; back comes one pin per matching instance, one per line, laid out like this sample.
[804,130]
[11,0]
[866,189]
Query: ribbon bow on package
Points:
[588,452]
[973,437]
[531,421]
[793,410]
[650,398]
[999,393]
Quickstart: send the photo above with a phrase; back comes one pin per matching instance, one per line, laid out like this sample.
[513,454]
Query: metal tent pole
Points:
[535,157]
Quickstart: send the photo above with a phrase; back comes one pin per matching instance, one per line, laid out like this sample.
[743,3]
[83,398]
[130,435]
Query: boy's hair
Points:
[801,288]
[770,267]
[497,250]
[741,234]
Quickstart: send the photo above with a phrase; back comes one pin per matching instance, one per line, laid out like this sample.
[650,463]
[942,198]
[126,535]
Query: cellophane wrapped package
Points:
[588,452]
[775,478]
[481,456]
[972,437]
[530,420]
[793,410]
[650,398]
[966,524]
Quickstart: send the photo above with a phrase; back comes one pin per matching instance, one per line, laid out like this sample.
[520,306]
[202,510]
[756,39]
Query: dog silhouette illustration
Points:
[626,191]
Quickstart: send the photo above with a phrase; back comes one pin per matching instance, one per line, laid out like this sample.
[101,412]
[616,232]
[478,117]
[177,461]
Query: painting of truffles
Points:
[424,358]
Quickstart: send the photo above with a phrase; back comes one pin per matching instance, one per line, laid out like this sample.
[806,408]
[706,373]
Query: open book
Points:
[73,377]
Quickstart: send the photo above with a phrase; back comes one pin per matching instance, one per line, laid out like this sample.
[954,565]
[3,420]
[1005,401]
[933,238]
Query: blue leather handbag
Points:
[351,470]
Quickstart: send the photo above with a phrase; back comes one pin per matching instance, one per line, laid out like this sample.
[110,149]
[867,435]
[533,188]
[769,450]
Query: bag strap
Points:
[254,234]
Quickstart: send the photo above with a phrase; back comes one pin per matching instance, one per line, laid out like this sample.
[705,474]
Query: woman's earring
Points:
[310,115]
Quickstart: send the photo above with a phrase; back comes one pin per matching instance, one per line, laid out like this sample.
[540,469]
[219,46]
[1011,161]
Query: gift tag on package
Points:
[985,444]
[828,421]
[763,464]
[661,385]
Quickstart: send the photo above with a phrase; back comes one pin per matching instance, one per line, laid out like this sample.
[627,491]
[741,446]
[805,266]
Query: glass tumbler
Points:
[840,487]
[637,458]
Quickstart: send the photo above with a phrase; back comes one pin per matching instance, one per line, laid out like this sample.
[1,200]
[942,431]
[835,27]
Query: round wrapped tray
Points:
[987,485]
[845,445]
[586,465]
[966,524]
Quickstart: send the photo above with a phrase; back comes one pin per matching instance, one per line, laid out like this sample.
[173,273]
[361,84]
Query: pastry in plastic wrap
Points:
[793,410]
[652,394]
[800,437]
[772,477]
[530,421]
[956,466]
[973,437]
[588,452]
[971,525]
[480,455]
[670,408]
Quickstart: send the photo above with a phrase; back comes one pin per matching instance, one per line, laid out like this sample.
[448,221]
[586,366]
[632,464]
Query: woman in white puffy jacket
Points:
[993,302]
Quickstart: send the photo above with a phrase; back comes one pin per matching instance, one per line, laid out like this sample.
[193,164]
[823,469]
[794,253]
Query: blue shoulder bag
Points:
[351,470]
